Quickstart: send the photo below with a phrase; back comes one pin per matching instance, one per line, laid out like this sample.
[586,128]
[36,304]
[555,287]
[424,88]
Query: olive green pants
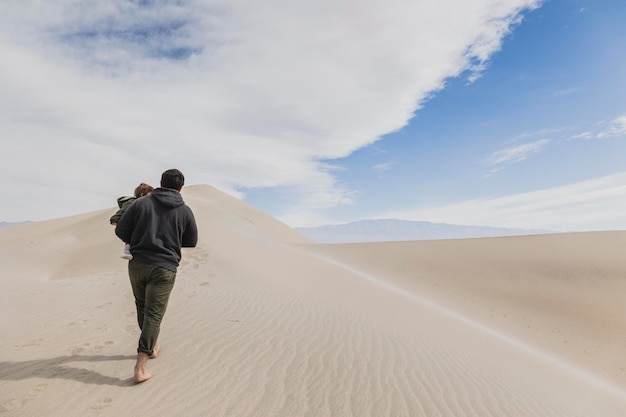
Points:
[152,286]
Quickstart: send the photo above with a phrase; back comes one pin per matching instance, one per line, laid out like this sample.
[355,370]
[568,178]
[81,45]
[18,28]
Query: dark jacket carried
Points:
[157,226]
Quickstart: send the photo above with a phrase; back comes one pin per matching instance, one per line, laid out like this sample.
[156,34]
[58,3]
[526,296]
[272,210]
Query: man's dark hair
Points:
[173,178]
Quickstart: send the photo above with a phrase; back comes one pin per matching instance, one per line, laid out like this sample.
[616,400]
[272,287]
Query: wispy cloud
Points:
[590,205]
[565,92]
[517,153]
[604,129]
[582,135]
[382,167]
[541,133]
[616,128]
[238,94]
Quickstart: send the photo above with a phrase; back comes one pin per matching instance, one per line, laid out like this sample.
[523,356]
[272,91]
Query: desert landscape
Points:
[264,322]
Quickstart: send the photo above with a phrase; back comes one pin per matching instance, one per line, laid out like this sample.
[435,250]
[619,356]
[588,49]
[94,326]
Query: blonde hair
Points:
[143,189]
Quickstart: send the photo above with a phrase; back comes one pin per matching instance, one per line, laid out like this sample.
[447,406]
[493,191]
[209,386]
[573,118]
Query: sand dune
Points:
[262,322]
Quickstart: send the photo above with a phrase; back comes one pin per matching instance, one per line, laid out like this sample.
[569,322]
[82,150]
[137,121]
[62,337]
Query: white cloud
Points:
[597,204]
[97,96]
[616,128]
[517,153]
[582,135]
[541,132]
[382,167]
[604,129]
[565,92]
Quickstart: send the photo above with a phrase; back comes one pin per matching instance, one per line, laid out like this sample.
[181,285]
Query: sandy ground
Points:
[263,322]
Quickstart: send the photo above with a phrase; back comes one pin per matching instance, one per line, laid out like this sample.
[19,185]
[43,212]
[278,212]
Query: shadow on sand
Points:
[58,368]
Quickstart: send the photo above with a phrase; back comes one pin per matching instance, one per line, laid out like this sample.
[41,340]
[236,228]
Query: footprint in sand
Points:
[88,348]
[103,403]
[75,322]
[33,342]
[40,387]
[80,349]
[14,403]
[195,259]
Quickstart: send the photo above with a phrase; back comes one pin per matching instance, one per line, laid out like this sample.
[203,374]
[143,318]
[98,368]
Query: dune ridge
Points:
[262,322]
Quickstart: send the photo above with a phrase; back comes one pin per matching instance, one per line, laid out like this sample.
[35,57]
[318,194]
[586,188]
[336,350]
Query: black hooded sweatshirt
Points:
[157,226]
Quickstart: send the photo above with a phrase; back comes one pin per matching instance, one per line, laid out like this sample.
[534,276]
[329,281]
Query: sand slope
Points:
[262,322]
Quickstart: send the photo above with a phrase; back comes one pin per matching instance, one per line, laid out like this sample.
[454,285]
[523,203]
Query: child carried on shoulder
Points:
[123,203]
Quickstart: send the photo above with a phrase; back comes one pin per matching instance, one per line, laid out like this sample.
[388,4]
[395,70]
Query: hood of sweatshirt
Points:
[167,197]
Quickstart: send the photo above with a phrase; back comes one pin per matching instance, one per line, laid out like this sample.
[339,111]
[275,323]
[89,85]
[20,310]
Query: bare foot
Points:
[141,374]
[155,352]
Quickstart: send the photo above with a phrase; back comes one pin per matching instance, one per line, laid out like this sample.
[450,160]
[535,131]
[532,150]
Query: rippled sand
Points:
[262,322]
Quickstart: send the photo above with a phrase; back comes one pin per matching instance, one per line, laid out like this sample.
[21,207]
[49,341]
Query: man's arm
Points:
[124,228]
[190,236]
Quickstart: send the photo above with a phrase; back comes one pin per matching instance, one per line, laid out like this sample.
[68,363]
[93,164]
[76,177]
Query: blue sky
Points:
[497,113]
[539,117]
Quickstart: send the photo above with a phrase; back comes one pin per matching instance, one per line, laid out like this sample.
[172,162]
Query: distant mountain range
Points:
[384,230]
[7,224]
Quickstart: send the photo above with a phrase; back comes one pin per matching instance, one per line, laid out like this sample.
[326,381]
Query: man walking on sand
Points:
[156,226]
